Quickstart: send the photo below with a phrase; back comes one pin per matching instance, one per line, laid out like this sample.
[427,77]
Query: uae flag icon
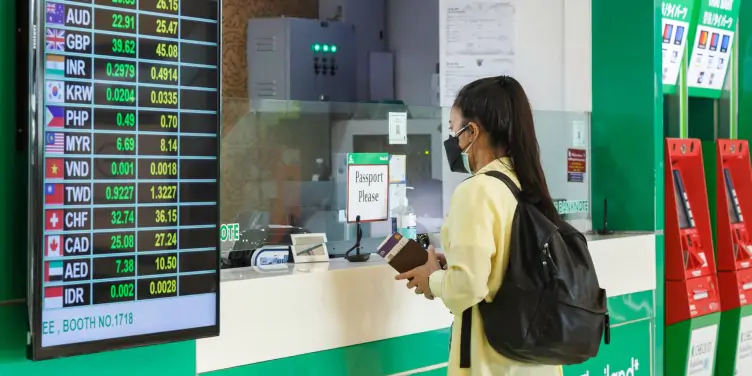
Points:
[53,271]
[53,297]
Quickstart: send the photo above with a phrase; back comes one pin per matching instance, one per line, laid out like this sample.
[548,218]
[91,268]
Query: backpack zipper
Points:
[546,272]
[548,262]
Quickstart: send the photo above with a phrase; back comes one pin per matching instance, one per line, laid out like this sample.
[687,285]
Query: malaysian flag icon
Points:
[54,142]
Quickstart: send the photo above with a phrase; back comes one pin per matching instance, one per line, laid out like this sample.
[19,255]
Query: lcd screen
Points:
[125,233]
[682,206]
[732,202]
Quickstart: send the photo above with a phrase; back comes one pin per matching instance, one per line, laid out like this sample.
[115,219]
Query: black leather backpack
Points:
[550,308]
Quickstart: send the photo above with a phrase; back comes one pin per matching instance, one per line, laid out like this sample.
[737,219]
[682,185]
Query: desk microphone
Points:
[605,230]
[357,257]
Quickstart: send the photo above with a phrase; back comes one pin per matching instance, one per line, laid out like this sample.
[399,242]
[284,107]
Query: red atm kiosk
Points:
[691,287]
[733,184]
[733,200]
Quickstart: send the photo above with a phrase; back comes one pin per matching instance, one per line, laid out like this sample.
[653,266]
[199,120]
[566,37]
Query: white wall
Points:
[578,67]
[553,51]
[552,60]
[412,36]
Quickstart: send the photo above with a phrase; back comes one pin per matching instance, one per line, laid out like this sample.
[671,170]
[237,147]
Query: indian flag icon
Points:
[53,297]
[55,65]
[53,271]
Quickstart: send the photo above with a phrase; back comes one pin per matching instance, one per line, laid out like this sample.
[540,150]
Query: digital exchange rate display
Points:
[128,164]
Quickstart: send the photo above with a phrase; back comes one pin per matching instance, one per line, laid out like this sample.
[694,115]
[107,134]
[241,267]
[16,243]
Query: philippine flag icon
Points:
[54,116]
[53,246]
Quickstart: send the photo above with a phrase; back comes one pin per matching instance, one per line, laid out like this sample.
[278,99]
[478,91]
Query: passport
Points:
[403,254]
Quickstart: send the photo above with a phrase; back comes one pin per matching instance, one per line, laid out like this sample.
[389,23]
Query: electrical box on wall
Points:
[301,59]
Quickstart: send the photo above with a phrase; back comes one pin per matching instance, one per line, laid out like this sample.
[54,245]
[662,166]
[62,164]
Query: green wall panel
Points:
[12,253]
[744,78]
[627,119]
[370,359]
[627,132]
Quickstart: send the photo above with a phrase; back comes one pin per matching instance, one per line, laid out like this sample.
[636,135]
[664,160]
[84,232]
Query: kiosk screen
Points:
[682,204]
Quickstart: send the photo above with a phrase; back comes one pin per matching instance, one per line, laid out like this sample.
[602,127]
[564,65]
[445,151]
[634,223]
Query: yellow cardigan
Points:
[475,238]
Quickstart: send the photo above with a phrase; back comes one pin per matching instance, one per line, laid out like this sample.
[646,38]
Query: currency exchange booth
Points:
[121,111]
[121,138]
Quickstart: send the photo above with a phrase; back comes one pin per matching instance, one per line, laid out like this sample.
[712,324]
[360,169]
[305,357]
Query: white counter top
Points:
[339,264]
[304,308]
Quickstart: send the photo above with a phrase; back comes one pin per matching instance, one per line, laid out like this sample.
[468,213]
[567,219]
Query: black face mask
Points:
[454,154]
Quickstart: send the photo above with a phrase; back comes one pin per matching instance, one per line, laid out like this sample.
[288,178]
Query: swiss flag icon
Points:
[53,220]
[53,246]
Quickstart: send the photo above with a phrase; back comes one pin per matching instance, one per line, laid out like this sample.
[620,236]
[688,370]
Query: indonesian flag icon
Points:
[53,248]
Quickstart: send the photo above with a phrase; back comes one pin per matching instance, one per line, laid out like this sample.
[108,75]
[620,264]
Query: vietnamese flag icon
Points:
[53,220]
[53,168]
[53,194]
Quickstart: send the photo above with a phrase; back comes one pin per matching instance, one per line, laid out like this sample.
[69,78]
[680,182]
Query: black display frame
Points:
[31,126]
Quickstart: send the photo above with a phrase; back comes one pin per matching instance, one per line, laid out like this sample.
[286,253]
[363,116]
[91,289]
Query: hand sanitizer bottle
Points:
[407,221]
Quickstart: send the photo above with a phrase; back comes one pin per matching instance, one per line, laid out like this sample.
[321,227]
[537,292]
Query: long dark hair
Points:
[500,106]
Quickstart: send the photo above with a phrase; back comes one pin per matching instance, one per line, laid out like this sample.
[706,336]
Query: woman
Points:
[491,128]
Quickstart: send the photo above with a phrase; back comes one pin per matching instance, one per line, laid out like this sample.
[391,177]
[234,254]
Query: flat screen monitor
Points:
[123,183]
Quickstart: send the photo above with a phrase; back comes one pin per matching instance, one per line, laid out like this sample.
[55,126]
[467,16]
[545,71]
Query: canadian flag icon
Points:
[53,247]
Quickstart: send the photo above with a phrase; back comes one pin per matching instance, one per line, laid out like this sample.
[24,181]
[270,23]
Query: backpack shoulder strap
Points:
[467,315]
[465,338]
[504,178]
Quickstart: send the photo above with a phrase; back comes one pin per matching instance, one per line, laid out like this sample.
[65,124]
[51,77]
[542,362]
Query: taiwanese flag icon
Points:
[53,297]
[53,194]
[53,271]
[53,246]
[53,168]
[53,220]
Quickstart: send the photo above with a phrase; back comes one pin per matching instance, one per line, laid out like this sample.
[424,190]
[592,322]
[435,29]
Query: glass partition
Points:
[283,168]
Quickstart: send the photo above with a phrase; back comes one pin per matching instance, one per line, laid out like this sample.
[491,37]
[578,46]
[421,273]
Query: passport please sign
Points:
[367,187]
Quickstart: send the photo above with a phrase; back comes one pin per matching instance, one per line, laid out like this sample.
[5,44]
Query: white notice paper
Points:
[397,128]
[476,41]
[397,168]
[579,134]
[674,44]
[702,343]
[744,349]
[710,58]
